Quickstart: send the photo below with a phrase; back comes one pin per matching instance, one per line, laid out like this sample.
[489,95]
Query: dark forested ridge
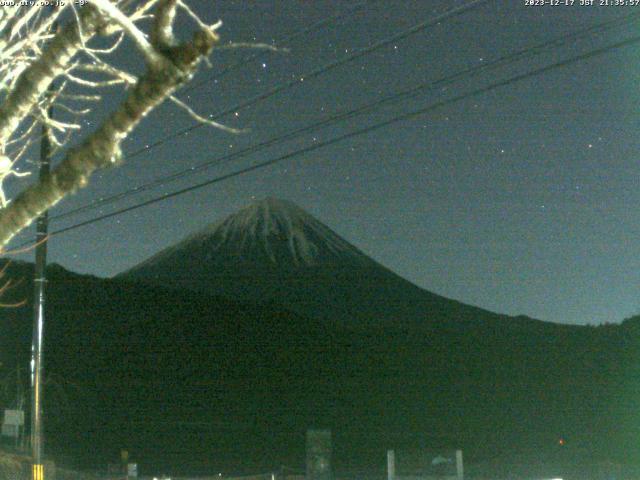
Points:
[193,382]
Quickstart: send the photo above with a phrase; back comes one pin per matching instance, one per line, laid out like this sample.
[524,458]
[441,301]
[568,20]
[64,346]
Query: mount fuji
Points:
[274,252]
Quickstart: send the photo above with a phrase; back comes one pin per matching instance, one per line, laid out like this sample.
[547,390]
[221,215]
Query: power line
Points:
[454,12]
[409,93]
[363,131]
[288,37]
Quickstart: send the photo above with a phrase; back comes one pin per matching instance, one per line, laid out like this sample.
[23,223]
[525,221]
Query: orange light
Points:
[561,441]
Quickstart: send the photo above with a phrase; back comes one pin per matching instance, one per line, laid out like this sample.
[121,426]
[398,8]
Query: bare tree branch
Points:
[162,34]
[101,149]
[139,38]
[33,56]
[35,79]
[200,118]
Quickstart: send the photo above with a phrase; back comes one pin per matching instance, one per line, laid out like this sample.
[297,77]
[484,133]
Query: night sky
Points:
[521,200]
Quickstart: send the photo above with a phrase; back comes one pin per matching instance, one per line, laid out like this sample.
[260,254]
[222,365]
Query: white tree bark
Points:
[35,80]
[168,67]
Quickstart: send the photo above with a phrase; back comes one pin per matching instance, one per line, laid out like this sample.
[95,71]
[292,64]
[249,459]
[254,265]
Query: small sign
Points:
[14,417]
[132,470]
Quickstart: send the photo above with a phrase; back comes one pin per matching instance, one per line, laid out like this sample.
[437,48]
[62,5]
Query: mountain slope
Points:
[275,251]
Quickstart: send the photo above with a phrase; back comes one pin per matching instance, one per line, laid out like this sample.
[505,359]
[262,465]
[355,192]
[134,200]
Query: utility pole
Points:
[40,280]
[19,405]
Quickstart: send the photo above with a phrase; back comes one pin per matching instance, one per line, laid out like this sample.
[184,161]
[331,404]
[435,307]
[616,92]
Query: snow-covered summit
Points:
[268,232]
[283,232]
